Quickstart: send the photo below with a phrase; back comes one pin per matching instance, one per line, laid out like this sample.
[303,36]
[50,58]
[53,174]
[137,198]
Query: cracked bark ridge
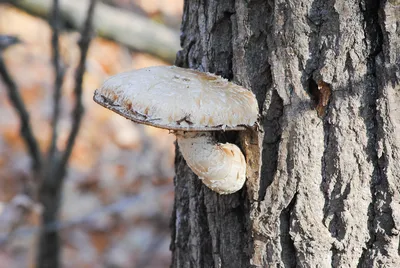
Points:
[323,189]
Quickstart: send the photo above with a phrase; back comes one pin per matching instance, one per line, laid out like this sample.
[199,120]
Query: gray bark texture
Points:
[323,187]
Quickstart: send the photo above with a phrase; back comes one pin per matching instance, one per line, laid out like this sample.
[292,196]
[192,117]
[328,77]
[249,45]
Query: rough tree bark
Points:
[323,171]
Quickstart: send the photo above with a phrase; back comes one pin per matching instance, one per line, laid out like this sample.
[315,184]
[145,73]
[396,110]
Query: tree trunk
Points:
[323,170]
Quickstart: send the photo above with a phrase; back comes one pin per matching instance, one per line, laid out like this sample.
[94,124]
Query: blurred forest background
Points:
[118,191]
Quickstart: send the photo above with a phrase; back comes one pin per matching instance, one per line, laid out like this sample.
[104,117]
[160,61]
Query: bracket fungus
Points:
[192,104]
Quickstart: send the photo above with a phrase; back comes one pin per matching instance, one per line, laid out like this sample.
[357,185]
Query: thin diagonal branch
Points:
[86,37]
[59,75]
[18,104]
[7,41]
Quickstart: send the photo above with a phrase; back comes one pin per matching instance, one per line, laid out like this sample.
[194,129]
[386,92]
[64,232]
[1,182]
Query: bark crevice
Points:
[271,122]
[288,253]
[380,218]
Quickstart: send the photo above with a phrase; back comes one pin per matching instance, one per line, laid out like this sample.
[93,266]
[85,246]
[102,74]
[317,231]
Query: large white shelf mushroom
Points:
[192,104]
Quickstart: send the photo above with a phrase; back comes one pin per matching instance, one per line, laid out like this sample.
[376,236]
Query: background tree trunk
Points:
[323,172]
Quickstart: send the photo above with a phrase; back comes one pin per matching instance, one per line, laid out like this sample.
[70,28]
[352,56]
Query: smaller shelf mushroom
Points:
[192,104]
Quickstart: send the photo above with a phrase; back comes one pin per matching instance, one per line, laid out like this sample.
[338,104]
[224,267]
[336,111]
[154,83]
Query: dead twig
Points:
[84,42]
[59,75]
[19,106]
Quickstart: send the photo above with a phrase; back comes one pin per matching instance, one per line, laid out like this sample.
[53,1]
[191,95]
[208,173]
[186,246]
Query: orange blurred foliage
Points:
[109,160]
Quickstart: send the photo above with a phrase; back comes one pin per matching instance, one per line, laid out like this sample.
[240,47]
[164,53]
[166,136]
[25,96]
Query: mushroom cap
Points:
[175,98]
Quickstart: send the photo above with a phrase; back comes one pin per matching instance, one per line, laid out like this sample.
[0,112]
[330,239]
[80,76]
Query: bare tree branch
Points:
[59,75]
[18,104]
[53,176]
[84,42]
[149,36]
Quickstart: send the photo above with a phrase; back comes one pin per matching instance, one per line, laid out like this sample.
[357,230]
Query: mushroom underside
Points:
[221,166]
